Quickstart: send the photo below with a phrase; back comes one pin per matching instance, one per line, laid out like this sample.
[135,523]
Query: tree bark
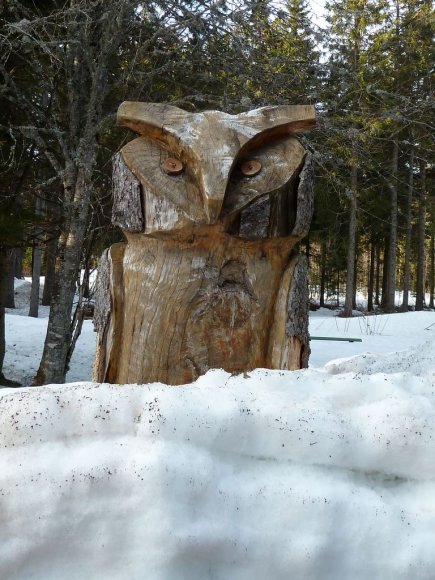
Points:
[390,294]
[322,274]
[432,253]
[420,286]
[307,250]
[4,266]
[36,261]
[432,268]
[351,245]
[50,262]
[3,280]
[385,270]
[355,273]
[371,281]
[378,274]
[9,298]
[2,342]
[36,276]
[407,265]
[18,263]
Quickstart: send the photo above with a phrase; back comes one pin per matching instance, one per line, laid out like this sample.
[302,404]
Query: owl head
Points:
[240,172]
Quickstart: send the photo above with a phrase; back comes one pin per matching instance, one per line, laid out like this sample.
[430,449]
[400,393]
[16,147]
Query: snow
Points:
[326,473]
[25,340]
[379,333]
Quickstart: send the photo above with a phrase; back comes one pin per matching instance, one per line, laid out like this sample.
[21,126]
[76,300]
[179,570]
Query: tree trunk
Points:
[390,295]
[4,266]
[432,253]
[85,283]
[53,366]
[84,43]
[351,246]
[209,276]
[36,276]
[420,287]
[4,263]
[355,273]
[432,267]
[307,250]
[371,281]
[18,263]
[36,262]
[9,298]
[385,261]
[83,293]
[50,262]
[407,266]
[2,342]
[225,316]
[322,274]
[378,275]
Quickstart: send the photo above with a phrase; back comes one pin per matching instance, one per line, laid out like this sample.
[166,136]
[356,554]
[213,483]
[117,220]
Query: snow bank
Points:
[418,360]
[316,474]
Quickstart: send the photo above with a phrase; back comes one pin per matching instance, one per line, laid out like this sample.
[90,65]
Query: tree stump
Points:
[212,206]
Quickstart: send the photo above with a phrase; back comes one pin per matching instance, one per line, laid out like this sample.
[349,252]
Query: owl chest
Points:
[207,304]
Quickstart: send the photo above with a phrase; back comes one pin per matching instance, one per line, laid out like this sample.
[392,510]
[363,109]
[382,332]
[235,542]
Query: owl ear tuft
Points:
[286,118]
[149,119]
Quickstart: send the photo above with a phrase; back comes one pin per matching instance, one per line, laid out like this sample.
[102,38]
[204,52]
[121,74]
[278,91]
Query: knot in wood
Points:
[251,167]
[172,166]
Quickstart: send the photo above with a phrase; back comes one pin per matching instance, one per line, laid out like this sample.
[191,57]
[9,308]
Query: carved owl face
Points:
[236,171]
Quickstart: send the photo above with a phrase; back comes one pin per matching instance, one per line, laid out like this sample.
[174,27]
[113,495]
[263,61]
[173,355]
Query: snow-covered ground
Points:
[25,341]
[326,473]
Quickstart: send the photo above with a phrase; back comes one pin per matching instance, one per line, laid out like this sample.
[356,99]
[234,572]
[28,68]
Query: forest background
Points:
[65,66]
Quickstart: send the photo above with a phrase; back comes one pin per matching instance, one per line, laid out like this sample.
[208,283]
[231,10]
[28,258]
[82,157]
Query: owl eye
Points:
[250,167]
[172,166]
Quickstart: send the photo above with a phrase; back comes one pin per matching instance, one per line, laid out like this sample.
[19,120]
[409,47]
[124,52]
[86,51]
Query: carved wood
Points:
[212,280]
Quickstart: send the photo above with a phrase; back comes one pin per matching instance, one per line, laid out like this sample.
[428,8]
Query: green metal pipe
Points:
[335,338]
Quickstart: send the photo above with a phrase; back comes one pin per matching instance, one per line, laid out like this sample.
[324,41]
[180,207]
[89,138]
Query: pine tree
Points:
[348,126]
[401,68]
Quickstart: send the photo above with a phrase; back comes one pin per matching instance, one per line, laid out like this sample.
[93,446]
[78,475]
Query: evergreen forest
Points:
[366,65]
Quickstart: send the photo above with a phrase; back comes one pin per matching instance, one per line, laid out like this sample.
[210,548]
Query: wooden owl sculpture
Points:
[212,206]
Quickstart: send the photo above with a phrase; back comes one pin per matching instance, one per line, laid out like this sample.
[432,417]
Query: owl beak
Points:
[213,205]
[213,201]
[214,185]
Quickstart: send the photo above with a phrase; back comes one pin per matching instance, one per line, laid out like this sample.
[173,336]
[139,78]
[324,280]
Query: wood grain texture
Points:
[212,144]
[170,201]
[212,280]
[158,120]
[195,303]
